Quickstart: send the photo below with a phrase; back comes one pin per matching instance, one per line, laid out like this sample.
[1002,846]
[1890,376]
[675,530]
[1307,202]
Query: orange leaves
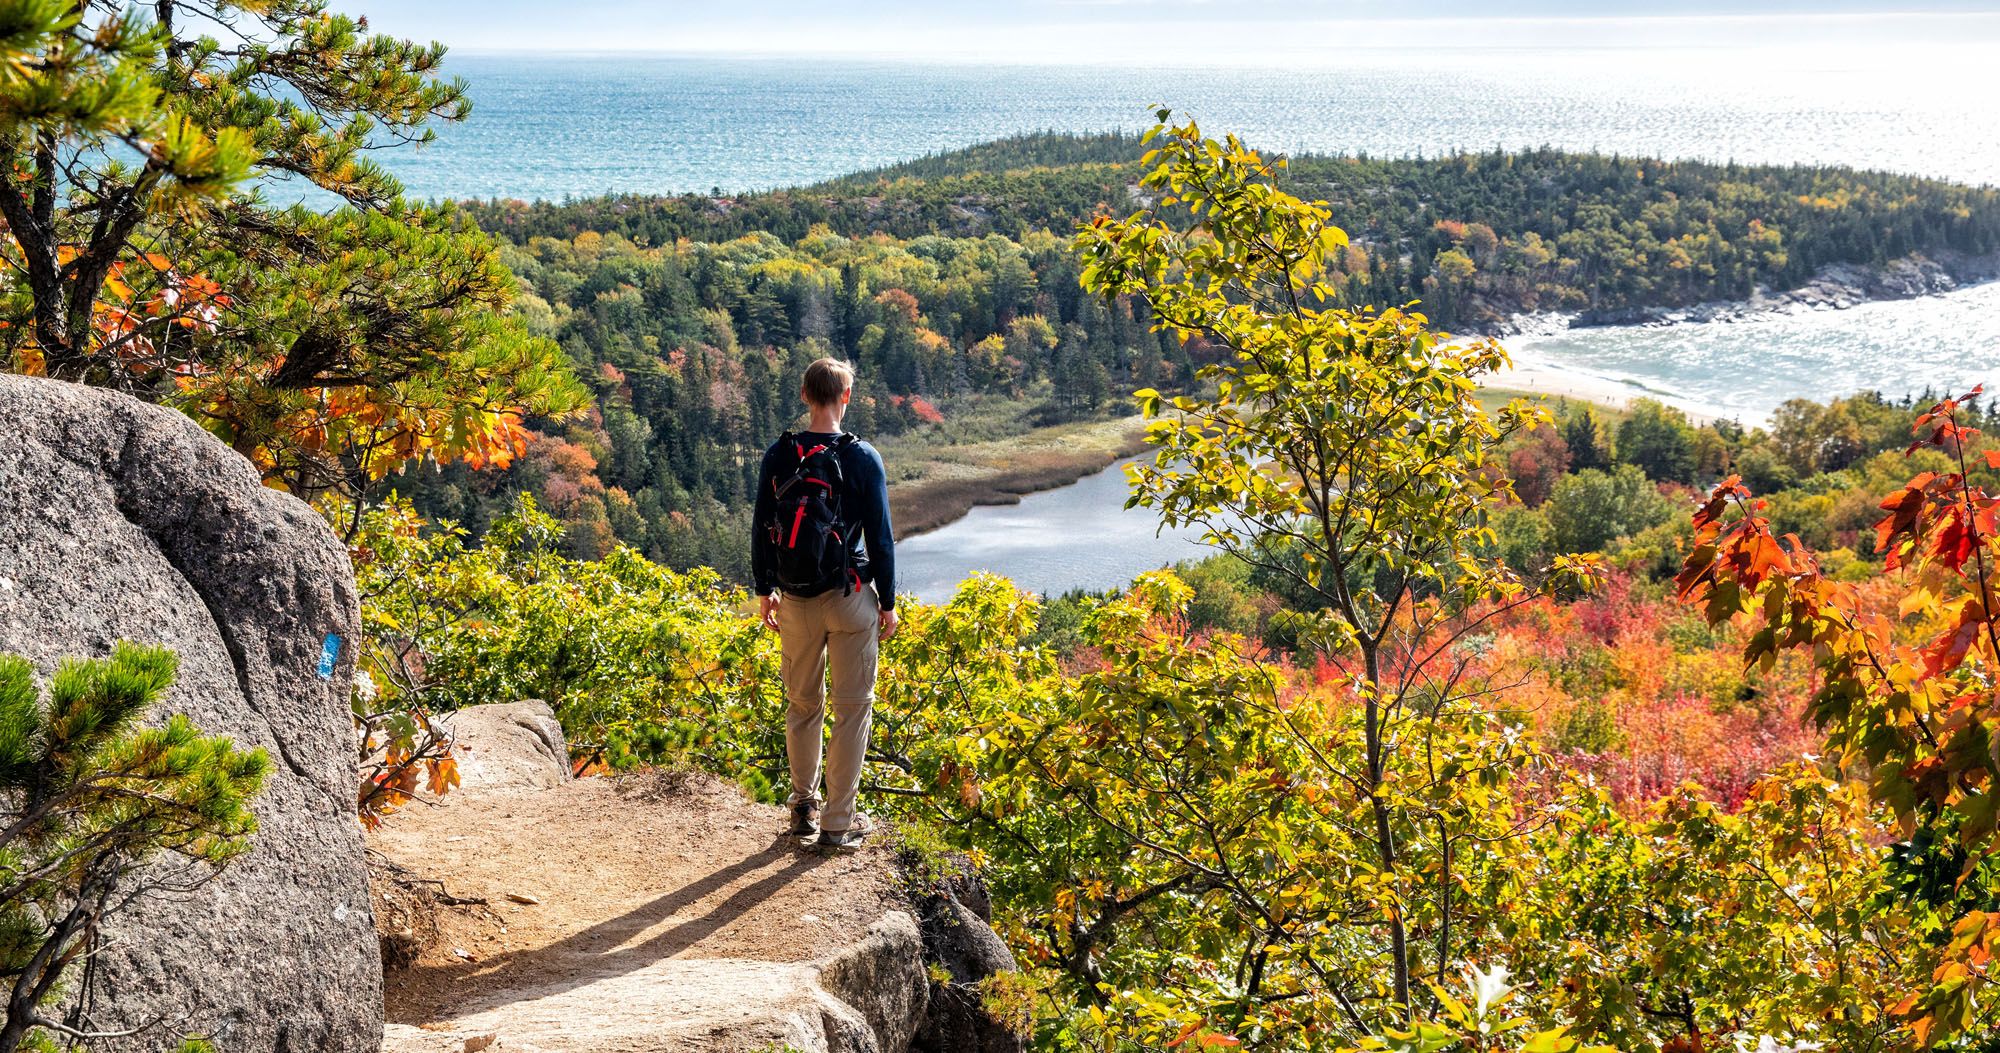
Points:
[1912,698]
[1202,1038]
[1949,1008]
[1945,433]
[418,756]
[1948,650]
[1944,518]
[1758,557]
[1953,540]
[495,445]
[140,301]
[443,775]
[1905,506]
[1733,558]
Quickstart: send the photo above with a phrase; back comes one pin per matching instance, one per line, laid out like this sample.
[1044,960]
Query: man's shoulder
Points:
[860,451]
[855,444]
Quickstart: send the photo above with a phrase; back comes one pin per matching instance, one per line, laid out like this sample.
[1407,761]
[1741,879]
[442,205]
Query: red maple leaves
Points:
[1908,696]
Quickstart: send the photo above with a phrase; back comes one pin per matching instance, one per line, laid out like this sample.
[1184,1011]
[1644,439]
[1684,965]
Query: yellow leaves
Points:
[1921,599]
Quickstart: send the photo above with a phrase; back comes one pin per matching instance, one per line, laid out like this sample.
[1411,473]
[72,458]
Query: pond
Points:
[1074,537]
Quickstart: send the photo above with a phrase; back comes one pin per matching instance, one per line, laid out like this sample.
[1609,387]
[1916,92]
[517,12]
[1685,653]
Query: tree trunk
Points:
[1385,836]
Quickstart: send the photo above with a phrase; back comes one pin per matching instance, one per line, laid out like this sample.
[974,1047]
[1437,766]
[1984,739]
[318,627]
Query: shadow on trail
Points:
[606,948]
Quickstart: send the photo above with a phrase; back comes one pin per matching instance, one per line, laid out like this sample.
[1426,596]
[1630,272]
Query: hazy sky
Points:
[1164,30]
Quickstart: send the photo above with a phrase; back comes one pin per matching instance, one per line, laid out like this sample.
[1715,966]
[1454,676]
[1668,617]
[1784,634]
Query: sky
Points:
[1168,30]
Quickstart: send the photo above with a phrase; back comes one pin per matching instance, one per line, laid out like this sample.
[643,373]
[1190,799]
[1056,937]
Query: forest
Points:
[692,351]
[1523,728]
[948,282]
[1492,725]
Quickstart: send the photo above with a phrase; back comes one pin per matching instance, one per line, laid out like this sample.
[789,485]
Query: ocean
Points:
[556,126]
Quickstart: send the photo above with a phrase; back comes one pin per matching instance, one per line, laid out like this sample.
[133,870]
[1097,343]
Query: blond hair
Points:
[826,380]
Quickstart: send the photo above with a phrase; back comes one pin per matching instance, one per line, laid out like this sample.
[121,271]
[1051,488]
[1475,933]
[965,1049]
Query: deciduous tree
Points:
[1905,695]
[1346,452]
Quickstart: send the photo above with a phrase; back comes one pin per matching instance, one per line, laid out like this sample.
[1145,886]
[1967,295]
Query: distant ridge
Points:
[1047,149]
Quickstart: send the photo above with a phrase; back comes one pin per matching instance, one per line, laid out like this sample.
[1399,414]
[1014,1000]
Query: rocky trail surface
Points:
[530,912]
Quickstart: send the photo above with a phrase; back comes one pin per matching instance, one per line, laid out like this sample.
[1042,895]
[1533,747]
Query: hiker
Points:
[823,557]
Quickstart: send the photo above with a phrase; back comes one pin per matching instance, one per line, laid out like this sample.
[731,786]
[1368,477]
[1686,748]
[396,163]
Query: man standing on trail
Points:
[823,556]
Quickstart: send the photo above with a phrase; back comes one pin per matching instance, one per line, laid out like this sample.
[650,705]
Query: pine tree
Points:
[1581,433]
[86,798]
[139,162]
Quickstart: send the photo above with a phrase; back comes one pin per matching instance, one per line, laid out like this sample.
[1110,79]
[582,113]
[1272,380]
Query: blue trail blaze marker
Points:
[329,653]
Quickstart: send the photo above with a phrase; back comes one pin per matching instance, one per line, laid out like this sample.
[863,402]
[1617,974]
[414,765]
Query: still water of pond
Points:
[1074,537]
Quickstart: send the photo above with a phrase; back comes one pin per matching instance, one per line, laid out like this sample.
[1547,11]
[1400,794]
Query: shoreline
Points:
[950,484]
[1834,287]
[1544,381]
[1002,472]
[925,505]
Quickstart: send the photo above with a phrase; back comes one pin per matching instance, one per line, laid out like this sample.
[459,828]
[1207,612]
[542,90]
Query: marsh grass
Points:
[993,452]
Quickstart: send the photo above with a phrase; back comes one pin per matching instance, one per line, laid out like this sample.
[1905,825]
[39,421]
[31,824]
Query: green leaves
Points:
[1344,453]
[90,800]
[60,77]
[330,346]
[639,662]
[1478,1026]
[20,729]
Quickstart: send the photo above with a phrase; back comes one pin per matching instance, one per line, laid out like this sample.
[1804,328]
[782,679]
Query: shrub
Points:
[89,798]
[1223,596]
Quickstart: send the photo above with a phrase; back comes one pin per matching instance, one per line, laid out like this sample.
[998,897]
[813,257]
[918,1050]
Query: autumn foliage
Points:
[1904,691]
[332,345]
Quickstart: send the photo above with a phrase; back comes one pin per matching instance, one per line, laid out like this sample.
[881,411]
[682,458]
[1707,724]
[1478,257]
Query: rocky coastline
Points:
[1834,287]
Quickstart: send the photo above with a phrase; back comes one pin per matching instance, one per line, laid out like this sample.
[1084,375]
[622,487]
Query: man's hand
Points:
[767,610]
[888,625]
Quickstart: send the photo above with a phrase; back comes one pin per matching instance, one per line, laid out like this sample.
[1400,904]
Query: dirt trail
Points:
[675,884]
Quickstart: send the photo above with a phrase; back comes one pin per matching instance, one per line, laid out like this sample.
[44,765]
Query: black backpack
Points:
[806,530]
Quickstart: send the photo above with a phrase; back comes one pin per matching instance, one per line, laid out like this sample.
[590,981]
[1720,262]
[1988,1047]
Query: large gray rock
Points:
[513,745]
[954,915]
[120,520]
[867,998]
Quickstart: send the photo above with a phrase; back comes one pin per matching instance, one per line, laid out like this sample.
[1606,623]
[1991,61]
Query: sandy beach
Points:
[1534,376]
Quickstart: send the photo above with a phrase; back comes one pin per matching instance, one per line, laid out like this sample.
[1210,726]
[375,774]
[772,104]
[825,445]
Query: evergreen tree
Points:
[1581,433]
[138,159]
[86,798]
[1657,438]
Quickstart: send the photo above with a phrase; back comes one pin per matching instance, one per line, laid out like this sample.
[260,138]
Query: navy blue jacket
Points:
[865,502]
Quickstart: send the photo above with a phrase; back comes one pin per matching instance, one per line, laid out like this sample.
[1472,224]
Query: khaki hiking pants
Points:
[818,635]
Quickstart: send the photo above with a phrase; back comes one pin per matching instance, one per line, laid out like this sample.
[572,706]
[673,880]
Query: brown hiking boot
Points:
[805,818]
[848,838]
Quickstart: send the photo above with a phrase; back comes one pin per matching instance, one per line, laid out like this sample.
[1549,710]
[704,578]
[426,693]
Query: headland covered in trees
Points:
[949,281]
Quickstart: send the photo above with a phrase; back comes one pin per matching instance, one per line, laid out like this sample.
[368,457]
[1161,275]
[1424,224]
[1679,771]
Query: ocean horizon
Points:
[587,123]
